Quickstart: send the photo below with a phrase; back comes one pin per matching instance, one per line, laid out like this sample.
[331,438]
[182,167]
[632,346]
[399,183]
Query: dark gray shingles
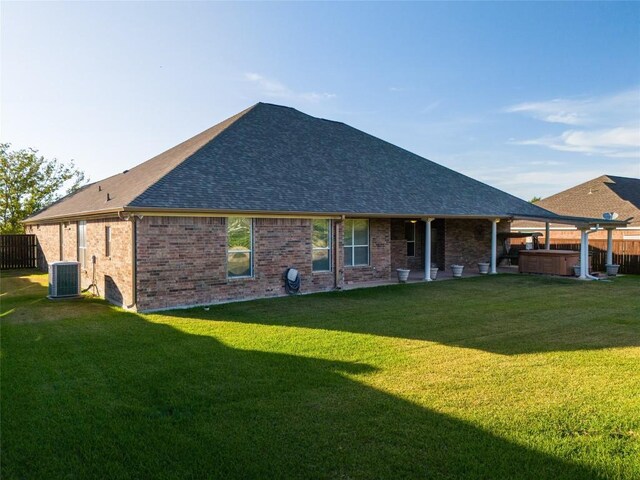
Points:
[124,187]
[277,159]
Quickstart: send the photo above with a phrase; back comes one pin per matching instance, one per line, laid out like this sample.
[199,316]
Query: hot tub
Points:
[550,262]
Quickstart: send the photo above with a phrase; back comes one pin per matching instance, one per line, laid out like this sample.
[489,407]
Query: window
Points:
[107,241]
[356,242]
[321,241]
[410,237]
[82,243]
[239,247]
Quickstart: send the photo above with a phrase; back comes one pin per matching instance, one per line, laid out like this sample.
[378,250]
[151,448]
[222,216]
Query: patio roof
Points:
[577,221]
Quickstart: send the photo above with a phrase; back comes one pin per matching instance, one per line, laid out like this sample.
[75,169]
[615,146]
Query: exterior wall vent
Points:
[64,280]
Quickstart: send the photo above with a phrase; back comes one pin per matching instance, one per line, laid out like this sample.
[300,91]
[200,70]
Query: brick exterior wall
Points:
[70,241]
[379,267]
[468,241]
[111,275]
[181,261]
[398,245]
[48,243]
[399,258]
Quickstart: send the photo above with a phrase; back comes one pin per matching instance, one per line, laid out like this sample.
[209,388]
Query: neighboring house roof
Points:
[607,193]
[275,159]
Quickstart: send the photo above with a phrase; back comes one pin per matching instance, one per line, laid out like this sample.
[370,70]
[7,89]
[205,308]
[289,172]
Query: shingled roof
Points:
[607,193]
[274,159]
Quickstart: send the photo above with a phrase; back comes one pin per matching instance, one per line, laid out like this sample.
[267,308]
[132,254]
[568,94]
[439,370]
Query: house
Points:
[605,194]
[222,215]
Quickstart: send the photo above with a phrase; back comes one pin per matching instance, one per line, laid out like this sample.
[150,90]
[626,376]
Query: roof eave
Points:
[160,211]
[72,217]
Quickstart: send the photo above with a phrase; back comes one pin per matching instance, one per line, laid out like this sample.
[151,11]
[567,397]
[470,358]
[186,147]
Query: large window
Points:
[356,242]
[321,240]
[410,237]
[82,243]
[239,247]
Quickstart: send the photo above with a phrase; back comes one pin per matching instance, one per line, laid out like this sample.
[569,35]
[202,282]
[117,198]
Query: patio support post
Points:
[609,246]
[547,239]
[584,253]
[427,249]
[494,244]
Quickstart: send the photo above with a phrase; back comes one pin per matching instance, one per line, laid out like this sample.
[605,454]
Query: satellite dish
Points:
[609,215]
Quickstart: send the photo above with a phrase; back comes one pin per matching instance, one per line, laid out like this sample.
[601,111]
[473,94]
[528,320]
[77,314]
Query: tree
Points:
[535,199]
[29,182]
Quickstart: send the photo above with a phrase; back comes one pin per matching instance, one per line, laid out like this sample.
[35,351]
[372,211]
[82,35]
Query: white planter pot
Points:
[612,269]
[403,275]
[576,270]
[457,270]
[483,268]
[434,273]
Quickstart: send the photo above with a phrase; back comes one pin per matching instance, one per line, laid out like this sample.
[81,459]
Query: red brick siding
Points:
[112,275]
[182,261]
[417,261]
[468,241]
[70,241]
[399,258]
[398,247]
[48,242]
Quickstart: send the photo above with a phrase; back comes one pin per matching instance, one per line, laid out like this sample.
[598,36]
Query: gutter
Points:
[74,217]
[168,212]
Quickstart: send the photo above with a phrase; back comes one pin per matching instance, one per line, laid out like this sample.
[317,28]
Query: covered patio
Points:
[586,226]
[422,243]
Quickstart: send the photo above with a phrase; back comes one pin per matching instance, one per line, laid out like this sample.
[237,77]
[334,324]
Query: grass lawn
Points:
[496,377]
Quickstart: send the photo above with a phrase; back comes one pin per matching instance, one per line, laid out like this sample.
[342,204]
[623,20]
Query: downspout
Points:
[134,261]
[134,258]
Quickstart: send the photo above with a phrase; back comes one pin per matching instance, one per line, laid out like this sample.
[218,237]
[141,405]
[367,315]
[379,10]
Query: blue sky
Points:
[529,97]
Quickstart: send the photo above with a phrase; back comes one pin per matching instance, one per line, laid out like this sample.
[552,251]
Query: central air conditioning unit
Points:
[64,279]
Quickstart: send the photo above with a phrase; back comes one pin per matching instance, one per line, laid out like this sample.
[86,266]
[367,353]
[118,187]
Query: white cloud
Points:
[432,106]
[618,142]
[610,125]
[273,88]
[620,108]
[546,163]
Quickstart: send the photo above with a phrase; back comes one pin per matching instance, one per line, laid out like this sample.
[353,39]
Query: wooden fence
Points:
[18,251]
[626,253]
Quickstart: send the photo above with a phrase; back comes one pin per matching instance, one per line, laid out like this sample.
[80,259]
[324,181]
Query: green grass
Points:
[496,377]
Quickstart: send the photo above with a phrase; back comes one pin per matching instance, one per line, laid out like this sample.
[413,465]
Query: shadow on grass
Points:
[505,314]
[110,394]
